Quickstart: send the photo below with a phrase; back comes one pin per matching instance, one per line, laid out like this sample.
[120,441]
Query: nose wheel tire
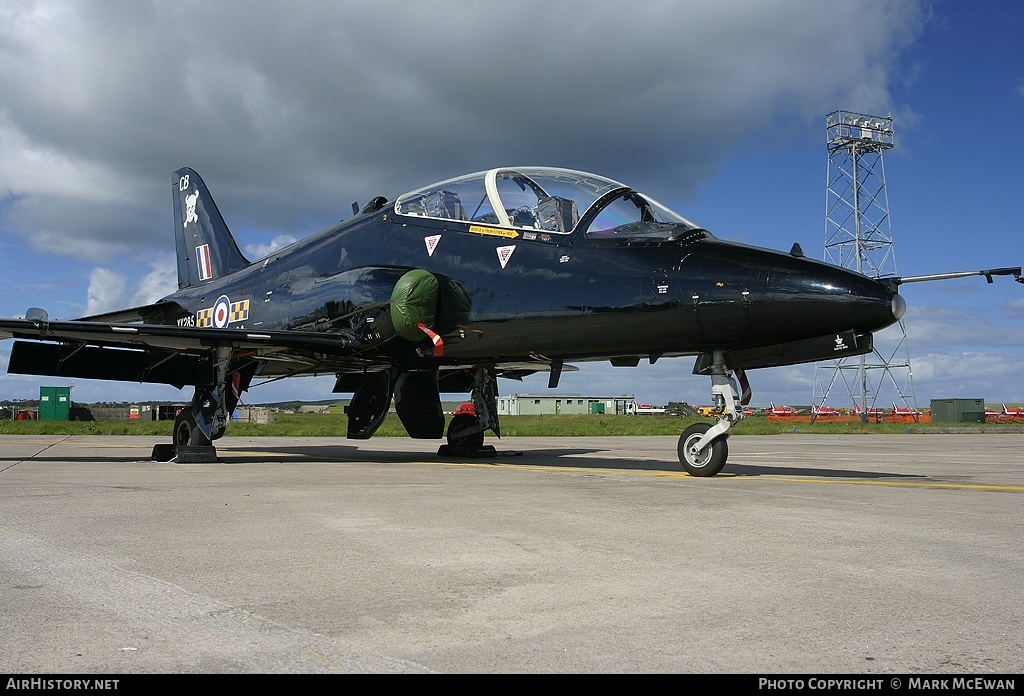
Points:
[705,462]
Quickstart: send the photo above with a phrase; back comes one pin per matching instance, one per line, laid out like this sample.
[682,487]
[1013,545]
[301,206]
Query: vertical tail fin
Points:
[205,247]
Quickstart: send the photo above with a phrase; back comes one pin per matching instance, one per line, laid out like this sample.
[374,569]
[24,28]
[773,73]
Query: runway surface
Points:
[808,554]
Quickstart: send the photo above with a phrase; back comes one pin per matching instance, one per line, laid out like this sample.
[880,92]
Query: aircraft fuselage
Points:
[572,298]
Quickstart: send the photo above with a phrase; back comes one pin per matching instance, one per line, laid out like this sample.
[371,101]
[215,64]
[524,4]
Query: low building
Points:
[253,414]
[562,404]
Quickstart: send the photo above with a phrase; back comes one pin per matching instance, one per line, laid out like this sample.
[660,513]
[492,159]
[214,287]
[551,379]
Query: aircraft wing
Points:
[179,355]
[160,353]
[167,337]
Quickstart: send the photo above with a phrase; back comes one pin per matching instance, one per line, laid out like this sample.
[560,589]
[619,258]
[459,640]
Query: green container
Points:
[958,410]
[54,403]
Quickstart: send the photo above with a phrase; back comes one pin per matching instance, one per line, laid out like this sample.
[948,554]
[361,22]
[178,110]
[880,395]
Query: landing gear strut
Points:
[205,419]
[466,429]
[196,427]
[703,448]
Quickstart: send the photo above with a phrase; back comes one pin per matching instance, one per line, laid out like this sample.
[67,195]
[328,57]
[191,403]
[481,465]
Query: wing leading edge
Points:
[169,337]
[183,355]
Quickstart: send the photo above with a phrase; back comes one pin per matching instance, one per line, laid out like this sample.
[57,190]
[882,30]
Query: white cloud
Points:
[107,290]
[931,327]
[44,169]
[258,251]
[161,281]
[989,376]
[1015,308]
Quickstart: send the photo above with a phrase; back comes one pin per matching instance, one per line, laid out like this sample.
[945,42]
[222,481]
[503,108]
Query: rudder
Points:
[205,248]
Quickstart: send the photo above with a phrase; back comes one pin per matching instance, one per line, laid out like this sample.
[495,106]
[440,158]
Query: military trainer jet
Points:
[501,273]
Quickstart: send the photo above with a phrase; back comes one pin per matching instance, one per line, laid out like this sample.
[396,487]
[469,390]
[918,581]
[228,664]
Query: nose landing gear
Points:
[703,448]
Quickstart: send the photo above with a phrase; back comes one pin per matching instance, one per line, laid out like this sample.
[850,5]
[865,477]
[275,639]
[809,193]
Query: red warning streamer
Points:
[438,341]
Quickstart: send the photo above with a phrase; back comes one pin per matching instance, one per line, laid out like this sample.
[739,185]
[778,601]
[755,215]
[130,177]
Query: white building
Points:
[555,404]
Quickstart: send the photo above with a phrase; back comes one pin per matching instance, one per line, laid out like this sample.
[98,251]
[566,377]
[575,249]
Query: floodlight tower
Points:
[858,235]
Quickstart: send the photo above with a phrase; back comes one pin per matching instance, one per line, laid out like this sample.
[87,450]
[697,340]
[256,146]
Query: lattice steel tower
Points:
[858,236]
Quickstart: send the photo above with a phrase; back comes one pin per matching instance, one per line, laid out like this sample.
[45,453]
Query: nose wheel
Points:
[701,461]
[702,447]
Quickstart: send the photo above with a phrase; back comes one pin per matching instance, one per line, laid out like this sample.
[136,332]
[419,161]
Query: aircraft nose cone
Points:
[899,306]
[817,298]
[777,298]
[873,305]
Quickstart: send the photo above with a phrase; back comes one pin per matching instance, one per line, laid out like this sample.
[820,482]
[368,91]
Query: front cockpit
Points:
[547,200]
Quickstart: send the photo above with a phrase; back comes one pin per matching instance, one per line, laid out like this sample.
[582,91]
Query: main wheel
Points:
[462,444]
[706,462]
[186,432]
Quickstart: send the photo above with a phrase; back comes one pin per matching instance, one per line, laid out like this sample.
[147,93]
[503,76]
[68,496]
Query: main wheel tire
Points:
[708,461]
[186,432]
[462,444]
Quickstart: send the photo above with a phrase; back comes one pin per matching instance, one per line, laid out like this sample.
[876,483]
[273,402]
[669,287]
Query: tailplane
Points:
[206,250]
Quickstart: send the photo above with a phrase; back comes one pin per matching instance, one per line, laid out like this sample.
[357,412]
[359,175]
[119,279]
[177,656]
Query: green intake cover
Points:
[414,302]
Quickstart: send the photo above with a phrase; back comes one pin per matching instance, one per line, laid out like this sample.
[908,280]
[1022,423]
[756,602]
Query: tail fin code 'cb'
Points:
[205,248]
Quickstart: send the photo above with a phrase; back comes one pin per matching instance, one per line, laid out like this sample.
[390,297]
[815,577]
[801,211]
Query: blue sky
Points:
[291,111]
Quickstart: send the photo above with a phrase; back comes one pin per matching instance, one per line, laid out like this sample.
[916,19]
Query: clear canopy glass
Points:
[546,199]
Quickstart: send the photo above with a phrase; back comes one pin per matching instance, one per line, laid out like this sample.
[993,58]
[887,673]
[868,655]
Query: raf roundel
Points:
[221,311]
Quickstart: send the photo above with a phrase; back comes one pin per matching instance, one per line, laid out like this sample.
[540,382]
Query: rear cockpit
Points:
[548,200]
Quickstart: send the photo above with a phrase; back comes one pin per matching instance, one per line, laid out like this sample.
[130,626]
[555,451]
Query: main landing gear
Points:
[466,429]
[196,427]
[205,419]
[703,448]
[465,434]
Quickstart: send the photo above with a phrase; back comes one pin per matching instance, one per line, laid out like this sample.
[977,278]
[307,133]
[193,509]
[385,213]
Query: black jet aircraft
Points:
[501,273]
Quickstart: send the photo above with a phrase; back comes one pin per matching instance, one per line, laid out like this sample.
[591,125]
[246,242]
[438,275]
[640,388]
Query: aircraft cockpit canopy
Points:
[550,200]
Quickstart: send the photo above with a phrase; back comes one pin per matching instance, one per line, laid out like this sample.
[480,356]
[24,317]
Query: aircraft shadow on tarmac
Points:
[815,472]
[562,458]
[550,457]
[15,460]
[341,453]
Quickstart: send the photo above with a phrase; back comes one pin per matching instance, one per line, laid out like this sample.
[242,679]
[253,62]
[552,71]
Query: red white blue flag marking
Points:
[203,260]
